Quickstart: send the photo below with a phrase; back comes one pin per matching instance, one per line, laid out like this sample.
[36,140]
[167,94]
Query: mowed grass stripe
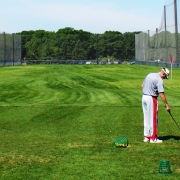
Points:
[64,85]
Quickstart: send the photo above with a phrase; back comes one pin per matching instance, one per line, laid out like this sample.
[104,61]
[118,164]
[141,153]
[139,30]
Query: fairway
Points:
[59,122]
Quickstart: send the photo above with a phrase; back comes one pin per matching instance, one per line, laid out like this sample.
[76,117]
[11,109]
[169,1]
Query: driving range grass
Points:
[59,122]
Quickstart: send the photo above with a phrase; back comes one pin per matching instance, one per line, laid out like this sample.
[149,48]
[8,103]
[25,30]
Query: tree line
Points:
[71,44]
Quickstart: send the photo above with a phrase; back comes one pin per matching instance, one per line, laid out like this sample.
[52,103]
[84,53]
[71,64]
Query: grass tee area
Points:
[59,122]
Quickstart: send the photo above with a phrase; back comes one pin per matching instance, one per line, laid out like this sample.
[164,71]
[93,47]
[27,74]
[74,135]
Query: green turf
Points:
[59,122]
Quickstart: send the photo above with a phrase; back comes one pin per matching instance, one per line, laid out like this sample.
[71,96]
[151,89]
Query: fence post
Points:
[58,46]
[97,48]
[21,47]
[156,45]
[147,58]
[13,48]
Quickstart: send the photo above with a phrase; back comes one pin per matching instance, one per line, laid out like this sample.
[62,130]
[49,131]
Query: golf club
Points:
[174,119]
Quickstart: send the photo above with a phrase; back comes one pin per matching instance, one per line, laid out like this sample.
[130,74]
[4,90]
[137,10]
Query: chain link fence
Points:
[10,49]
[161,47]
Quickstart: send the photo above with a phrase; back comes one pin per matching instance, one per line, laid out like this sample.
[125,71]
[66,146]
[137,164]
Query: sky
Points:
[95,16]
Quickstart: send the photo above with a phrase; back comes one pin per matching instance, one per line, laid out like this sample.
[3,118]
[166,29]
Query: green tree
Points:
[68,43]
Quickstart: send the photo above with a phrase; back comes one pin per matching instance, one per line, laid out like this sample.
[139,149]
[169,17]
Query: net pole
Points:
[166,59]
[176,30]
[13,49]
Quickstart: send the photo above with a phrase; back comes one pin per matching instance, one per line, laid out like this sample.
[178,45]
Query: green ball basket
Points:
[121,142]
[164,167]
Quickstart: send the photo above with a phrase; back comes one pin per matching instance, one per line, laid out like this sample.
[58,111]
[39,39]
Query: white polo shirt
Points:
[153,85]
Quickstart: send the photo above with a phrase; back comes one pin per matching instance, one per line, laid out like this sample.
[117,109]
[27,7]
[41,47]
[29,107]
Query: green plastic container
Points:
[164,167]
[121,142]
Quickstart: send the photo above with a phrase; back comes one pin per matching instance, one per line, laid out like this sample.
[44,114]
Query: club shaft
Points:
[174,120]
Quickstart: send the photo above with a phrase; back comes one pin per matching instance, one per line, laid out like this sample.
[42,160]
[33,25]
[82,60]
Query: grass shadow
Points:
[165,138]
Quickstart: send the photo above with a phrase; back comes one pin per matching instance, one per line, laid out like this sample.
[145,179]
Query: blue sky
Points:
[95,16]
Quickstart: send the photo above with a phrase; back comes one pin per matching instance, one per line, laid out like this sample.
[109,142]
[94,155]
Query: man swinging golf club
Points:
[152,87]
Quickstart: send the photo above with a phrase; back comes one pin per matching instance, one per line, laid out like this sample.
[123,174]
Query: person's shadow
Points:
[165,138]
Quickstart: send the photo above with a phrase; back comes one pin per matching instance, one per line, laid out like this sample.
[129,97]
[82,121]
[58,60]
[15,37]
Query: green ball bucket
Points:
[164,167]
[121,142]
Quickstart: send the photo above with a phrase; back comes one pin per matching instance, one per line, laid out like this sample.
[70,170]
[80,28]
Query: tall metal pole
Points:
[13,49]
[176,31]
[166,46]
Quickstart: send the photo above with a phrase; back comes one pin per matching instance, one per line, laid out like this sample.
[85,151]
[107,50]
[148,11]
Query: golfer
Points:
[152,87]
